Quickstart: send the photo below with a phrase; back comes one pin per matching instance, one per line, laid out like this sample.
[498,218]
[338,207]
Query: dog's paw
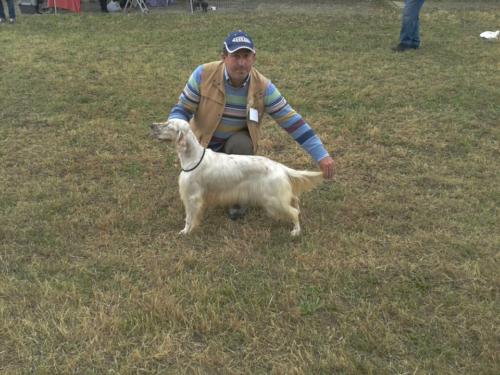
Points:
[184,232]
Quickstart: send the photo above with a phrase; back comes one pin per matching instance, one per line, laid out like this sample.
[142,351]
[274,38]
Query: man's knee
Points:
[240,143]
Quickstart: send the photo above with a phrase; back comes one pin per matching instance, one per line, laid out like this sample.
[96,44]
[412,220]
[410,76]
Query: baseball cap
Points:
[237,40]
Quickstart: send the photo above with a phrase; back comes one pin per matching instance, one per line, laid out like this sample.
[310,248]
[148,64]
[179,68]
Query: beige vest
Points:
[213,98]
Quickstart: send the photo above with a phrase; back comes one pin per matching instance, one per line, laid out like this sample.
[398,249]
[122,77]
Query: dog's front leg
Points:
[193,205]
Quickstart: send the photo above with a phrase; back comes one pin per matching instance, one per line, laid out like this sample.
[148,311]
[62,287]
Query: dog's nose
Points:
[153,132]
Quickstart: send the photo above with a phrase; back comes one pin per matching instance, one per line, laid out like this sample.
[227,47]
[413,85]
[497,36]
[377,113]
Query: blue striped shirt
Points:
[235,114]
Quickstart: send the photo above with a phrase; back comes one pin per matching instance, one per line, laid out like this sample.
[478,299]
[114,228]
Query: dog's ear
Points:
[181,140]
[180,137]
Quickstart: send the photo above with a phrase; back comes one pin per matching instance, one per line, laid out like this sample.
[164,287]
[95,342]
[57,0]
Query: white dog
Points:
[210,178]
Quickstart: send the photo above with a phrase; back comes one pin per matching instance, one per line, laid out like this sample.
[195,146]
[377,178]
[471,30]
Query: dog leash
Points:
[197,164]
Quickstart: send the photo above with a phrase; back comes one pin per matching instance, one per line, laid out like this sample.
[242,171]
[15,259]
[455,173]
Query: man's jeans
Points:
[12,9]
[409,35]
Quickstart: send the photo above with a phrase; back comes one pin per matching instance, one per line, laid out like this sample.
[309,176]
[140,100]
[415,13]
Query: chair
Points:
[140,3]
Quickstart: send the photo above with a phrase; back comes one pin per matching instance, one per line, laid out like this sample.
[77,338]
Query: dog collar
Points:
[197,164]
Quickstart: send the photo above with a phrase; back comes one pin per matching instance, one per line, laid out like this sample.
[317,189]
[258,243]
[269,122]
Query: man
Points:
[409,37]
[225,102]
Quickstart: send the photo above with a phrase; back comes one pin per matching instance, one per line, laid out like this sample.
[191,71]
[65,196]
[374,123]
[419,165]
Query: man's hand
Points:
[327,166]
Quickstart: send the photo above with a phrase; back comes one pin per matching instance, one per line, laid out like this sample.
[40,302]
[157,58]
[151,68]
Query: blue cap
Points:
[238,40]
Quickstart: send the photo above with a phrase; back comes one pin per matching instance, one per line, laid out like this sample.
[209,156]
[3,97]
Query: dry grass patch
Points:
[397,268]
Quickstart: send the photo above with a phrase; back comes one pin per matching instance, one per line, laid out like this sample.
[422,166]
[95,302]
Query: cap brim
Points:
[238,48]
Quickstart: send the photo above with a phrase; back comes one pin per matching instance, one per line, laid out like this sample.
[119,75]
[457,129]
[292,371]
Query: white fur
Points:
[222,179]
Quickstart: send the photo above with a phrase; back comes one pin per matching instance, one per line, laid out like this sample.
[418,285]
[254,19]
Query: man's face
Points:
[239,64]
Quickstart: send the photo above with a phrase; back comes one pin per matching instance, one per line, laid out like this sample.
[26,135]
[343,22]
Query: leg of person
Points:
[239,144]
[2,13]
[12,11]
[409,35]
[104,5]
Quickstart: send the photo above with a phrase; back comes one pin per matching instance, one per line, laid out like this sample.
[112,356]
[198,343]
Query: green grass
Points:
[397,268]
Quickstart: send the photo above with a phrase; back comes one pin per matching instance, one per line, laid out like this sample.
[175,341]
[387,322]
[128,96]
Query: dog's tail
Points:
[303,181]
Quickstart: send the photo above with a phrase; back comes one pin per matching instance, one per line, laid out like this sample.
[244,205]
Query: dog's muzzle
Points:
[155,130]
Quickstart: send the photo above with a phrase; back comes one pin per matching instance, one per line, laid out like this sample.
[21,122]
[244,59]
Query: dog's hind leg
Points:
[292,213]
[280,208]
[295,216]
[193,206]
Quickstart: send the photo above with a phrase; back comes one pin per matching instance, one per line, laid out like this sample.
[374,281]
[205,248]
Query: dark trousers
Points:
[239,144]
[10,6]
[104,5]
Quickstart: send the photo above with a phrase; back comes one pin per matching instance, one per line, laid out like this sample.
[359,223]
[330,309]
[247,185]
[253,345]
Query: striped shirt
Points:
[235,114]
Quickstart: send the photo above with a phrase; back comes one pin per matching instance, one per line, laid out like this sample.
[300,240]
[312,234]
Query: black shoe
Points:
[403,47]
[236,212]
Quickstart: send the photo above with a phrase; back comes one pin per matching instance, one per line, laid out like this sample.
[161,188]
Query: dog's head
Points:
[175,130]
[172,130]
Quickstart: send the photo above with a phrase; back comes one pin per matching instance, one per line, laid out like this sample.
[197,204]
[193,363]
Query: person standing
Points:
[409,37]
[104,5]
[12,11]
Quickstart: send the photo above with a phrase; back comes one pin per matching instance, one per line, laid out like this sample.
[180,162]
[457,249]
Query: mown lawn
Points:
[397,269]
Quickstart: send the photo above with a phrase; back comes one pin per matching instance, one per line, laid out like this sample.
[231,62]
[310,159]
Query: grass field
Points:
[397,269]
